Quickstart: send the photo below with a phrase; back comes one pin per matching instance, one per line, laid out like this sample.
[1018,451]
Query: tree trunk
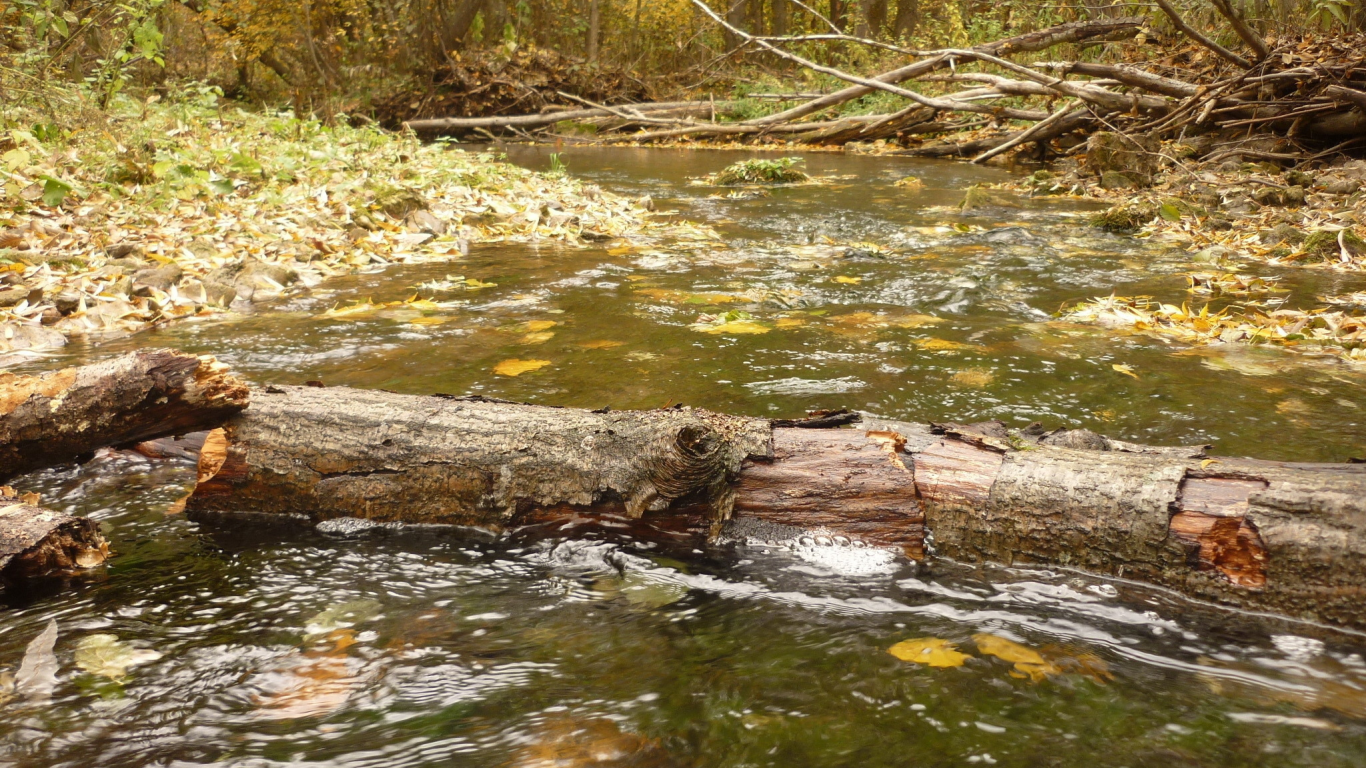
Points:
[1260,535]
[594,29]
[907,17]
[59,416]
[39,542]
[736,15]
[782,17]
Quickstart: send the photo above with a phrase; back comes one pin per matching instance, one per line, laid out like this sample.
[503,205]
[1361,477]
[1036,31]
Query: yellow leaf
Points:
[1207,462]
[943,345]
[515,367]
[534,326]
[1124,369]
[930,651]
[790,322]
[359,308]
[973,377]
[538,338]
[1027,661]
[739,326]
[476,283]
[847,280]
[602,344]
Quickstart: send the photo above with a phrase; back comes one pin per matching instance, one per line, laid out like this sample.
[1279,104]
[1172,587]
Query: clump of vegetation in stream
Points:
[1341,334]
[782,170]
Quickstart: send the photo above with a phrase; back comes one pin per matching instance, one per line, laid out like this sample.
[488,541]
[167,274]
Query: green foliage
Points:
[781,170]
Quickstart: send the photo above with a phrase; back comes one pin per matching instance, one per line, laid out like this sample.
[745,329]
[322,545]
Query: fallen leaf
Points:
[943,345]
[212,454]
[516,367]
[973,377]
[106,656]
[37,674]
[1124,369]
[538,338]
[847,280]
[535,326]
[602,344]
[1028,662]
[475,283]
[930,651]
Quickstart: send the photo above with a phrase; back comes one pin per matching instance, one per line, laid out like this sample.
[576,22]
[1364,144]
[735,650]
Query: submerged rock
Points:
[1125,217]
[1123,160]
[978,198]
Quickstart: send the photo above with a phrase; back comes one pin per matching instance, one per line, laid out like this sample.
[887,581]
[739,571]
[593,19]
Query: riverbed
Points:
[588,648]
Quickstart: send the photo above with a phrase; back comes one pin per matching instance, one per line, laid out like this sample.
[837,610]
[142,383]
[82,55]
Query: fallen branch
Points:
[1043,39]
[1034,131]
[1195,35]
[1240,25]
[1264,535]
[57,417]
[455,124]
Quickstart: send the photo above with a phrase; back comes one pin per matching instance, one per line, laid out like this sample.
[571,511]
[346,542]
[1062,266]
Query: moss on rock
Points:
[1125,217]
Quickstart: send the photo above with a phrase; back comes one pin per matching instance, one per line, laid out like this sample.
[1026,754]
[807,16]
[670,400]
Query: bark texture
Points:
[337,452]
[39,542]
[1289,538]
[56,417]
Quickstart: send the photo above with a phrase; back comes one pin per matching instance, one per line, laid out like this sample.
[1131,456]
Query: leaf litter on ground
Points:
[177,210]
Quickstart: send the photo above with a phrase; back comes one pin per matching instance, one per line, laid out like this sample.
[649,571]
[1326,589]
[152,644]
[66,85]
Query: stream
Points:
[249,648]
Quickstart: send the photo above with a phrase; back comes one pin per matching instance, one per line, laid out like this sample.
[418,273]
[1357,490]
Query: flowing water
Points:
[588,648]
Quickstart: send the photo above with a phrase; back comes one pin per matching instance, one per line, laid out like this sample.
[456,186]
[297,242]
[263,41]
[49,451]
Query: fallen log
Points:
[463,124]
[59,416]
[1289,538]
[39,542]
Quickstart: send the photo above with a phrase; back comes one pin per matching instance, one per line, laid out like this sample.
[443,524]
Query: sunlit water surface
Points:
[454,648]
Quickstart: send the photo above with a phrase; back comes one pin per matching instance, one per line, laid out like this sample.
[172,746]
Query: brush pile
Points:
[1275,98]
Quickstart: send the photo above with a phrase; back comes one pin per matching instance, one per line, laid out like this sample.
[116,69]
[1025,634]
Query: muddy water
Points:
[587,649]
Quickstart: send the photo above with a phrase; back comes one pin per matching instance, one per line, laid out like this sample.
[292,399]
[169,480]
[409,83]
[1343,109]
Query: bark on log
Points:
[1289,538]
[39,542]
[59,416]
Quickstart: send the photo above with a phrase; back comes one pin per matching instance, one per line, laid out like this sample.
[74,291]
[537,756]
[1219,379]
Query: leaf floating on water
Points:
[536,326]
[1028,662]
[516,367]
[847,280]
[538,338]
[602,344]
[1124,369]
[475,283]
[930,651]
[343,615]
[733,322]
[973,377]
[944,346]
[106,656]
[358,309]
[37,674]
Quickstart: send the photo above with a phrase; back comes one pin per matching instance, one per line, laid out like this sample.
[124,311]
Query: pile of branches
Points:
[1306,93]
[492,82]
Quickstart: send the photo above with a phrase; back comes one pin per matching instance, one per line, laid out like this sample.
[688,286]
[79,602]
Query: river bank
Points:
[186,209]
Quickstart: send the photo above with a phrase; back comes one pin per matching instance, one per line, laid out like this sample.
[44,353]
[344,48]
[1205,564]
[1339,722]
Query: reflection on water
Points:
[454,648]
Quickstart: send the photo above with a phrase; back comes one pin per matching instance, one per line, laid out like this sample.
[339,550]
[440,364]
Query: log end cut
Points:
[39,542]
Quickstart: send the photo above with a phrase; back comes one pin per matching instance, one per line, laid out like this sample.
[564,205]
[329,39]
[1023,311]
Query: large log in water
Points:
[59,416]
[39,542]
[1272,536]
